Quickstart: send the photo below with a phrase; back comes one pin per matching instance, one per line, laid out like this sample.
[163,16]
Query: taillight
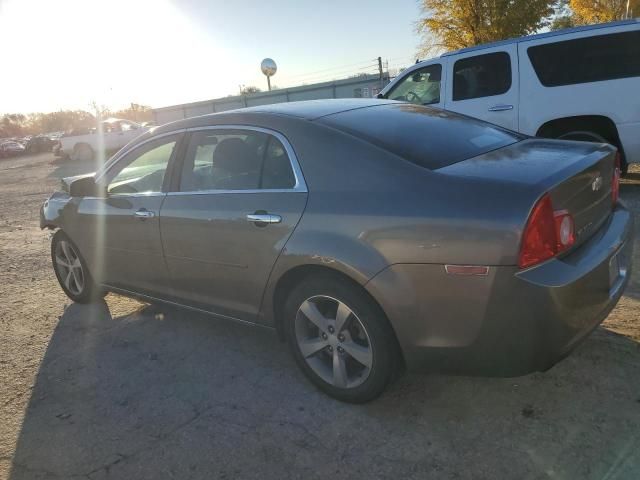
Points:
[546,235]
[615,182]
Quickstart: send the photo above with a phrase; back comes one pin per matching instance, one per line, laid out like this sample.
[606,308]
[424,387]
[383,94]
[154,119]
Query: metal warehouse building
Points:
[365,86]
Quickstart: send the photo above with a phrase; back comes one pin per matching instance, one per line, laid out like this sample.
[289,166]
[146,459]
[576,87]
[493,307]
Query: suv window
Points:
[421,87]
[591,59]
[142,170]
[235,160]
[482,76]
[426,136]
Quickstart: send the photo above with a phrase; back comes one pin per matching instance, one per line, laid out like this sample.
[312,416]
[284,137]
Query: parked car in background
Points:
[11,149]
[38,144]
[83,145]
[369,234]
[576,84]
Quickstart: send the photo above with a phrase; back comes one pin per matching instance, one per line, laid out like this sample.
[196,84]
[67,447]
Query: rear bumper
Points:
[510,322]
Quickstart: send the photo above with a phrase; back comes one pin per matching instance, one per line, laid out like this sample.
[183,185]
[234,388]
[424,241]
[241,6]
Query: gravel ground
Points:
[125,390]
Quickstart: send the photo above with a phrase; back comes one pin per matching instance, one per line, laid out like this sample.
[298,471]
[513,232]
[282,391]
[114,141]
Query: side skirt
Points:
[149,298]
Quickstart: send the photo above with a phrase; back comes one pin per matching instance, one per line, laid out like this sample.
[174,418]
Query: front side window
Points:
[590,59]
[220,159]
[421,87]
[143,170]
[482,76]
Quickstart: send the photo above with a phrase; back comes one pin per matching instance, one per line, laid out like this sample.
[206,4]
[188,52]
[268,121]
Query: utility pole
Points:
[380,70]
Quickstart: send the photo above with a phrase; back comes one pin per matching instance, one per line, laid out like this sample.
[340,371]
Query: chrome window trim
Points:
[220,192]
[300,185]
[127,195]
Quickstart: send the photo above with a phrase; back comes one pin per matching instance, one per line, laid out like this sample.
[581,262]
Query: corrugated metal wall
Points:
[364,86]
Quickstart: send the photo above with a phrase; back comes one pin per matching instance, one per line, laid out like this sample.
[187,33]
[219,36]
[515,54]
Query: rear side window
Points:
[426,136]
[591,59]
[221,159]
[482,76]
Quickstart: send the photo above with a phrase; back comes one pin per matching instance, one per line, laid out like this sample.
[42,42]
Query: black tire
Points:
[89,291]
[82,152]
[386,358]
[583,136]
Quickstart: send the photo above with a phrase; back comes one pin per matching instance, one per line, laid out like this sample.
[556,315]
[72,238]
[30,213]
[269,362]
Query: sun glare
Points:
[111,53]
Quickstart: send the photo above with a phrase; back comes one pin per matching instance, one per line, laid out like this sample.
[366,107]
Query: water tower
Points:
[269,68]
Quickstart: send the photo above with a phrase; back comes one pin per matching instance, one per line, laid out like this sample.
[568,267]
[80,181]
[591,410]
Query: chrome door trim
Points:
[219,192]
[500,108]
[264,218]
[142,296]
[127,195]
[144,214]
[300,184]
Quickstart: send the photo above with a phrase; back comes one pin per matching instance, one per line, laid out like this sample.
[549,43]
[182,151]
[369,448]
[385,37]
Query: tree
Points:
[454,24]
[586,12]
[250,89]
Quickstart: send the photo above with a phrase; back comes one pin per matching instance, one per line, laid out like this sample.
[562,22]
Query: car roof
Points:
[538,36]
[313,109]
[303,110]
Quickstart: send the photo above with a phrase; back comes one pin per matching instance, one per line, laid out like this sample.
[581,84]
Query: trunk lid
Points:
[577,175]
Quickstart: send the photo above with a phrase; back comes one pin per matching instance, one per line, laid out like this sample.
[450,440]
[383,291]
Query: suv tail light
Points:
[547,233]
[615,182]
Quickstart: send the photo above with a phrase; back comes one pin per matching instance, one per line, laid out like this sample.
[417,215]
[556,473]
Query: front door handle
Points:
[500,108]
[143,214]
[264,218]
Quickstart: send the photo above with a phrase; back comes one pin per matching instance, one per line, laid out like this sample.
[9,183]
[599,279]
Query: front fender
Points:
[51,212]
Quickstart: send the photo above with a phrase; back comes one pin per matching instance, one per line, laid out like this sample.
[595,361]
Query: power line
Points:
[340,67]
[342,76]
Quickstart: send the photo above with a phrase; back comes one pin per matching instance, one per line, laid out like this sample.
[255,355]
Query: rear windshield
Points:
[425,136]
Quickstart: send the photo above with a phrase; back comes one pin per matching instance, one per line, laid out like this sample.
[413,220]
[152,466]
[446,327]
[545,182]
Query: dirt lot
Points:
[128,391]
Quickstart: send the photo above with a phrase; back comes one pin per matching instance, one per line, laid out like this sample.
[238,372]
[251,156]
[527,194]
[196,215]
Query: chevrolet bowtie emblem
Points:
[596,184]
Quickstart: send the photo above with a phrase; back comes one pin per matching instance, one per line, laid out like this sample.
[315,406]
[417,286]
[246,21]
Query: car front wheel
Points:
[340,339]
[71,270]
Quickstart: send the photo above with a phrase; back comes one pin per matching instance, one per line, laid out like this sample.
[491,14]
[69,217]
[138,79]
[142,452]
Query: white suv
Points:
[581,84]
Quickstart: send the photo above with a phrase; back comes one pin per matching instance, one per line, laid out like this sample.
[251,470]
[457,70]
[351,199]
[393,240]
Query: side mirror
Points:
[380,95]
[85,187]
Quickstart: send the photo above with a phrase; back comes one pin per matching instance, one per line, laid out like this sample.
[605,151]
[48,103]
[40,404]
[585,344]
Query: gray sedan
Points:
[372,236]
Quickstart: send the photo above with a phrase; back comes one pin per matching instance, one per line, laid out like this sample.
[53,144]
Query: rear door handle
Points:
[500,108]
[143,214]
[264,218]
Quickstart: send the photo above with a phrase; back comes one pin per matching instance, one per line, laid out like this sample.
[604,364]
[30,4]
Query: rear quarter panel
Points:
[368,209]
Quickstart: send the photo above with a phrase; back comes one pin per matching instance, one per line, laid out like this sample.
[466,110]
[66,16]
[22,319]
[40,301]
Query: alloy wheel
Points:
[69,267]
[333,341]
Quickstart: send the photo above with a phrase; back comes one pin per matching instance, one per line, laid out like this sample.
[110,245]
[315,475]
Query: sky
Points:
[66,54]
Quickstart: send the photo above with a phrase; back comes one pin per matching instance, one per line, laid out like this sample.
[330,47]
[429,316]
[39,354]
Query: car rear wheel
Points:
[82,153]
[71,270]
[340,339]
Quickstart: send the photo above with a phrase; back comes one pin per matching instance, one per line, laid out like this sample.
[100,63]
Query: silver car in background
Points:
[371,235]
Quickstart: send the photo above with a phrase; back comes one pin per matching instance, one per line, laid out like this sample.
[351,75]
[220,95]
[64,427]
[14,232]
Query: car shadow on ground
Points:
[161,393]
